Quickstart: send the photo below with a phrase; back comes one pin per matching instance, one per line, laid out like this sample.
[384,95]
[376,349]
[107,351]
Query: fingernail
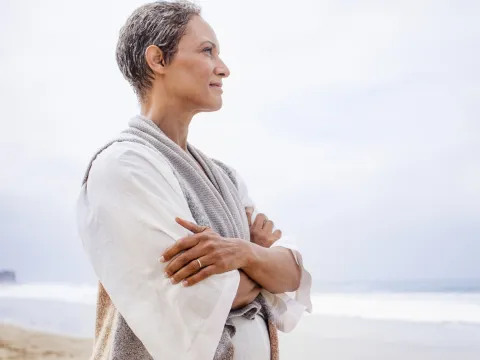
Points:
[185,283]
[172,281]
[166,274]
[162,259]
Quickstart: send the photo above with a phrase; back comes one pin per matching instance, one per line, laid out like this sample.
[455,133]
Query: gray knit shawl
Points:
[214,201]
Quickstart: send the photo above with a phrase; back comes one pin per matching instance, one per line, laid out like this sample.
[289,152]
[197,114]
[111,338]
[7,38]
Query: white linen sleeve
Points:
[291,305]
[126,218]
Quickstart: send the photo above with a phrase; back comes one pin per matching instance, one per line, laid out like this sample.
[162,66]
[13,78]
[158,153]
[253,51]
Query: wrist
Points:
[250,255]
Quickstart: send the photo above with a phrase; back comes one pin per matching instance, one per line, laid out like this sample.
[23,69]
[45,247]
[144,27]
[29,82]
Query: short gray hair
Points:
[161,23]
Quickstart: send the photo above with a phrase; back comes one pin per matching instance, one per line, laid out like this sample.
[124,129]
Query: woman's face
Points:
[194,75]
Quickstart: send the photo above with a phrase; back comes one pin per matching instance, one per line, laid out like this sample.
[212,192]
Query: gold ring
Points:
[199,264]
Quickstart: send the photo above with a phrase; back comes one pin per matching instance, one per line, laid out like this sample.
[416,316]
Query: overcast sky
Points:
[356,125]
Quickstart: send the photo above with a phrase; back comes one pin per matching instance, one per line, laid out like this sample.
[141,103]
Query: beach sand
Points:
[316,337]
[17,343]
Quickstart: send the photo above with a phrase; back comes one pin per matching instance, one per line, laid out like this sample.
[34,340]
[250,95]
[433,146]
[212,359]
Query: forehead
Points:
[198,31]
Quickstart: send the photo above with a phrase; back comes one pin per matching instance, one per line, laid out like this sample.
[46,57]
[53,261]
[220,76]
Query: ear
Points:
[155,60]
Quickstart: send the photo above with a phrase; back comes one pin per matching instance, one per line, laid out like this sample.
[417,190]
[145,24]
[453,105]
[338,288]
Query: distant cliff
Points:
[7,277]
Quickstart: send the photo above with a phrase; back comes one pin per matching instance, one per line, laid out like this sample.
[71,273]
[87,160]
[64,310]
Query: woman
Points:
[166,228]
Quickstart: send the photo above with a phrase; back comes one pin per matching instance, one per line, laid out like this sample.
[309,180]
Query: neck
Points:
[171,118]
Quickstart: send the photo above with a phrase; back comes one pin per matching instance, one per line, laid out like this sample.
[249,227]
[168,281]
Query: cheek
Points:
[202,73]
[192,78]
[198,83]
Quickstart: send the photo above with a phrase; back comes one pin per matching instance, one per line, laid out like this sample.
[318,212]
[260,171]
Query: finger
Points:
[268,226]
[199,276]
[249,211]
[277,234]
[180,245]
[182,260]
[190,225]
[191,268]
[259,219]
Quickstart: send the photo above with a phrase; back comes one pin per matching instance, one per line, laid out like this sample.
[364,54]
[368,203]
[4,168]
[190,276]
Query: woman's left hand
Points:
[201,255]
[261,231]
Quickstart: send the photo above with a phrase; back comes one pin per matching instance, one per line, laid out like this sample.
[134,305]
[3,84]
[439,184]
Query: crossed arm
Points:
[125,220]
[272,277]
[260,266]
[267,272]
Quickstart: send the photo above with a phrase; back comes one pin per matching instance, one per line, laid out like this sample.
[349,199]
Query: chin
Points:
[214,105]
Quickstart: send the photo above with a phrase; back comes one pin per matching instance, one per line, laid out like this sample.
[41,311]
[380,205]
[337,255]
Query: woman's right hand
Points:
[261,231]
[193,258]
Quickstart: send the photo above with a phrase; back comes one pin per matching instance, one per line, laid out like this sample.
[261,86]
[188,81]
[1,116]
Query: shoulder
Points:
[126,161]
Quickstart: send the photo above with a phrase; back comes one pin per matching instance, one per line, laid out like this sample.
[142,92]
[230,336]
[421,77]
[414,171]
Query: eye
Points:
[208,50]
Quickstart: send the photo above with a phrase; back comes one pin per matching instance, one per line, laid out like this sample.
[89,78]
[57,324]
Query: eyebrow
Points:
[211,43]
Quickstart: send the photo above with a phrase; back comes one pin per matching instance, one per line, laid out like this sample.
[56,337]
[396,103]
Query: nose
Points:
[221,69]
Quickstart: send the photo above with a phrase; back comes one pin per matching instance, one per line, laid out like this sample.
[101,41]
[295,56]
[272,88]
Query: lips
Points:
[216,85]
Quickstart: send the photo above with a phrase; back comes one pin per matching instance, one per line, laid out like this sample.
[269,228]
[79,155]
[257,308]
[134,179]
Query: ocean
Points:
[438,324]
